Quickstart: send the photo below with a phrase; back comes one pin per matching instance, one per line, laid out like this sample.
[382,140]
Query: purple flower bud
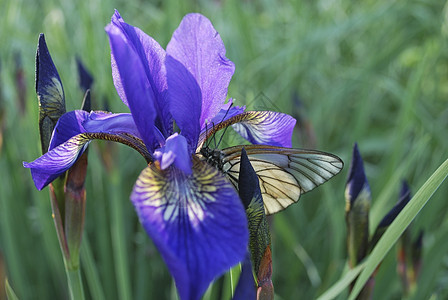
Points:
[358,198]
[50,93]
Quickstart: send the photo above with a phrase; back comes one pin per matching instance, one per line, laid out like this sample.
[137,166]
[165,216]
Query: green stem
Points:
[75,283]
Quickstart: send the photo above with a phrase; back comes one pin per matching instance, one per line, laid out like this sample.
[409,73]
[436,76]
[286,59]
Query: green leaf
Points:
[399,225]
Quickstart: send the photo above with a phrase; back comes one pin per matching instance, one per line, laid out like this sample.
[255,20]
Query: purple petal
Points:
[227,111]
[198,46]
[79,121]
[139,76]
[404,198]
[175,151]
[85,79]
[219,122]
[72,133]
[197,222]
[55,162]
[185,101]
[111,123]
[265,127]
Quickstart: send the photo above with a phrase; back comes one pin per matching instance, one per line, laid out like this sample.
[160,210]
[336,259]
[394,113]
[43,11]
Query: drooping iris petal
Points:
[55,162]
[138,90]
[73,132]
[198,46]
[224,114]
[175,151]
[227,111]
[185,100]
[79,121]
[197,222]
[266,128]
[69,125]
[258,127]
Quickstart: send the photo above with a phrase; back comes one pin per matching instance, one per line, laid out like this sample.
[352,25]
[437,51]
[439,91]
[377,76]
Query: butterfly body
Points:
[284,173]
[213,157]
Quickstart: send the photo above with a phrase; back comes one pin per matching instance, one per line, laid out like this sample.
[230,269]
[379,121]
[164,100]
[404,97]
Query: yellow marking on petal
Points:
[175,195]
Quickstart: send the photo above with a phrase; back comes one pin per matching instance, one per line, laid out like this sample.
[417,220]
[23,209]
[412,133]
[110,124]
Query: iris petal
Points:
[266,128]
[227,111]
[79,121]
[71,136]
[137,87]
[197,46]
[197,222]
[152,58]
[185,100]
[258,127]
[55,162]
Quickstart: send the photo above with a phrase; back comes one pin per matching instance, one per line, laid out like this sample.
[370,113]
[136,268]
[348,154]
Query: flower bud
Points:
[358,198]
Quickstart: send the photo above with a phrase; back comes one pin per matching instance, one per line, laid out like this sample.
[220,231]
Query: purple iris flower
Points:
[188,207]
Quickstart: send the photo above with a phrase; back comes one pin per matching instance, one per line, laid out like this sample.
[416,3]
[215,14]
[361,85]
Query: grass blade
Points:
[342,284]
[10,294]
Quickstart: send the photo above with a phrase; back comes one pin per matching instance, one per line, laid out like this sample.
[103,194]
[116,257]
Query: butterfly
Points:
[284,173]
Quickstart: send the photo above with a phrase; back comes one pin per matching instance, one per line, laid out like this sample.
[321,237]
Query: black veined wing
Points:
[284,173]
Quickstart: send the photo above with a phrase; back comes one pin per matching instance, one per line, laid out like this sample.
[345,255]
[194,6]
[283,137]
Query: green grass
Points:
[372,72]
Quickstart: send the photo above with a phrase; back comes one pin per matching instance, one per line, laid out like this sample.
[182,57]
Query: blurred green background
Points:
[372,72]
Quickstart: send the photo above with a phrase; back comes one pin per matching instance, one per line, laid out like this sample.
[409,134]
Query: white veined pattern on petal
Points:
[284,173]
[176,196]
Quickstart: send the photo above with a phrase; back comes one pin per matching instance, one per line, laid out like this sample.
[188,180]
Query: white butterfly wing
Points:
[284,173]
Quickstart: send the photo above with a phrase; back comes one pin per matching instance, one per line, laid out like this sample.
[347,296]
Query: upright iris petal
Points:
[140,78]
[185,100]
[199,48]
[135,87]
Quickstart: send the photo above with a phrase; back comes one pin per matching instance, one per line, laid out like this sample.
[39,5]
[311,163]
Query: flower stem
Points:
[75,283]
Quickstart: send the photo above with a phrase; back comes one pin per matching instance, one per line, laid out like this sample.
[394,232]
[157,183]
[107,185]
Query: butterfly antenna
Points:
[225,129]
[206,134]
[214,135]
